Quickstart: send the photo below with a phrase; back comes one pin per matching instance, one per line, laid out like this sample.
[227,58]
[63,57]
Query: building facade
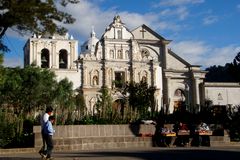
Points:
[120,55]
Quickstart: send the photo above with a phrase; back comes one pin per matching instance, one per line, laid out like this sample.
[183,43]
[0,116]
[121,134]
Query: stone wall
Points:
[90,137]
[85,137]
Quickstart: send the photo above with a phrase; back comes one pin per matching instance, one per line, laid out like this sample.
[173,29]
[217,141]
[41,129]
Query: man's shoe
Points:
[44,156]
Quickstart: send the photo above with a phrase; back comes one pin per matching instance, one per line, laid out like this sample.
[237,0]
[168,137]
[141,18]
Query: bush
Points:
[12,134]
[7,132]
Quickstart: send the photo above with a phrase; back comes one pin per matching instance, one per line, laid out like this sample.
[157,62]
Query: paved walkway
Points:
[191,153]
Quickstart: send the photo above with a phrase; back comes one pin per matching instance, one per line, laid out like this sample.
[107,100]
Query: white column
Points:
[31,56]
[196,97]
[53,56]
[72,54]
[85,76]
[154,77]
[168,89]
[35,53]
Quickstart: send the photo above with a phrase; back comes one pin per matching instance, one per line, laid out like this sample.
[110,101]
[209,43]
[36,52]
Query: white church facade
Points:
[120,55]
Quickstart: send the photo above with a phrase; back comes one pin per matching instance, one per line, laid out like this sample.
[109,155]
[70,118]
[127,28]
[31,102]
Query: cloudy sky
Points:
[203,32]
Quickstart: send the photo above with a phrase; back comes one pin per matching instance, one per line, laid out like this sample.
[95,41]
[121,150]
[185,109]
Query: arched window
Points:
[44,58]
[63,61]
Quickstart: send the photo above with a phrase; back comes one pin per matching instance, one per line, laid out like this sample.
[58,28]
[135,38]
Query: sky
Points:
[203,32]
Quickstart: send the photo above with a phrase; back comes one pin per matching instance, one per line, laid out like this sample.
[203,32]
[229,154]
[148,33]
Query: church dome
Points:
[90,45]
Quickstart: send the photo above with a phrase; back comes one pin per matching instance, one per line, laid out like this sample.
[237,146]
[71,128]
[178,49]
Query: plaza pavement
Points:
[151,153]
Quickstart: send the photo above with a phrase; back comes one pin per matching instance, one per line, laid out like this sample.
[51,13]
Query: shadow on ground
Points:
[165,154]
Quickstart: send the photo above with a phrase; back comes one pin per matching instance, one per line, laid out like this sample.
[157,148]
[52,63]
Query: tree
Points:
[219,74]
[235,67]
[1,68]
[25,91]
[1,59]
[64,100]
[35,16]
[236,60]
[104,104]
[141,98]
[80,105]
[228,73]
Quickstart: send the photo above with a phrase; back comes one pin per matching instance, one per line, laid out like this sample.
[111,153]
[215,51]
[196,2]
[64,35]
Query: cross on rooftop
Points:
[143,30]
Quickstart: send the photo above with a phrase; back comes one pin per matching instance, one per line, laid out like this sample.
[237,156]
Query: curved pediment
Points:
[117,30]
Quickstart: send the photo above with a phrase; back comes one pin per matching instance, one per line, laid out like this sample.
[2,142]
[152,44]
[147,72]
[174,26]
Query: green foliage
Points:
[234,68]
[1,59]
[1,69]
[25,91]
[63,100]
[33,16]
[81,108]
[8,128]
[141,98]
[104,104]
[219,74]
[228,73]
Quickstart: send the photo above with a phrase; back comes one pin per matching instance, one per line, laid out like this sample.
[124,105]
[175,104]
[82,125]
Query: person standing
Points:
[44,120]
[48,134]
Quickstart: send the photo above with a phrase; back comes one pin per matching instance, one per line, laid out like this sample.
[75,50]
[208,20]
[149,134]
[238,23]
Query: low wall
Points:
[85,137]
[89,137]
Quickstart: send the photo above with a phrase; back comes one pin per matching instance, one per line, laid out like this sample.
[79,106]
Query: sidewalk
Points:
[179,153]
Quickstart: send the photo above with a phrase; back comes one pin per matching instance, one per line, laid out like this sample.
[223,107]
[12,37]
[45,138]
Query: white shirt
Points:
[44,119]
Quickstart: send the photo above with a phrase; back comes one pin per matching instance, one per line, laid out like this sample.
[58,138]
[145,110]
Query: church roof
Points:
[179,58]
[150,31]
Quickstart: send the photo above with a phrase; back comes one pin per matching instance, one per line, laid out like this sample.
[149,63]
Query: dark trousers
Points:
[49,142]
[43,142]
[201,140]
[182,140]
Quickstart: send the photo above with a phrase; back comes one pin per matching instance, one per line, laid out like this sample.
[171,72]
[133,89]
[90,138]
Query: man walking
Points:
[44,120]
